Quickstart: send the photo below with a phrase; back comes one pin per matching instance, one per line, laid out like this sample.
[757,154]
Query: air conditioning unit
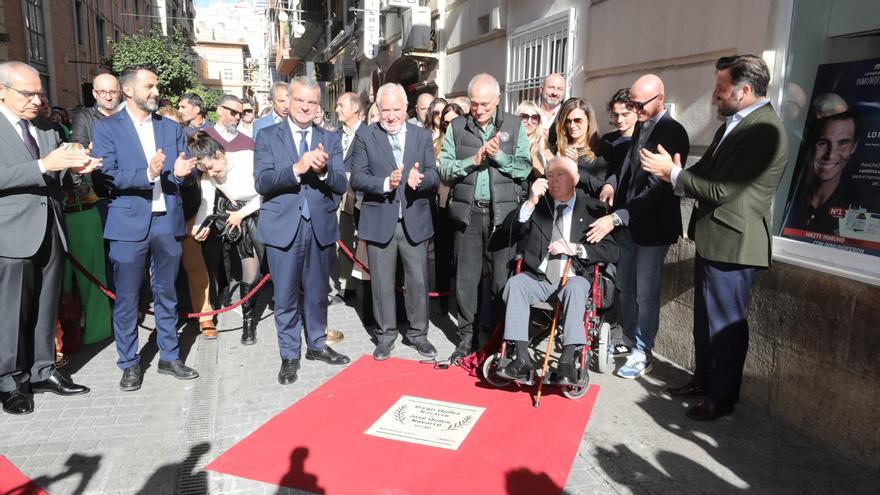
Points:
[387,5]
[417,29]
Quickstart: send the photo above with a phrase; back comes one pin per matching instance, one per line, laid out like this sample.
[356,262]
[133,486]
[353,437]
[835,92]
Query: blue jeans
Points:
[638,278]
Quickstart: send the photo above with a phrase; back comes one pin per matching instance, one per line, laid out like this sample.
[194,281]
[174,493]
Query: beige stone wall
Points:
[814,337]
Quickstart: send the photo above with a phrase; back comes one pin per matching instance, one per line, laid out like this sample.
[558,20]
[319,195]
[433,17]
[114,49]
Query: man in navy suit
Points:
[393,165]
[145,164]
[298,169]
[278,95]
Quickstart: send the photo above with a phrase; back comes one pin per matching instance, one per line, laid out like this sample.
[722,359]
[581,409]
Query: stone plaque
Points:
[427,422]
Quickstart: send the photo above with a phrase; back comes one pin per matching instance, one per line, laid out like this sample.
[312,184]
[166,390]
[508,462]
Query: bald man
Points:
[554,229]
[646,221]
[423,104]
[105,89]
[552,94]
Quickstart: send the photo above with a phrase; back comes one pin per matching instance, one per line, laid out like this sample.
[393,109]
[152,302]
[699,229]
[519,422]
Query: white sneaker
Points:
[637,364]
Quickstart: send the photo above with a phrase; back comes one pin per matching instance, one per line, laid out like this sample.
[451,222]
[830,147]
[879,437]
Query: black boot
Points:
[249,316]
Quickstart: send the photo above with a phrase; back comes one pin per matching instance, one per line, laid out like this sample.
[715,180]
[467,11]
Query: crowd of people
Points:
[437,201]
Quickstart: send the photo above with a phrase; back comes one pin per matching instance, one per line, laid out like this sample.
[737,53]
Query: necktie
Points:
[29,140]
[554,262]
[303,148]
[397,149]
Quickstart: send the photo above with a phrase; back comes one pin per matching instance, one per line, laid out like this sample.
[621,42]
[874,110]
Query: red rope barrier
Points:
[363,267]
[107,292]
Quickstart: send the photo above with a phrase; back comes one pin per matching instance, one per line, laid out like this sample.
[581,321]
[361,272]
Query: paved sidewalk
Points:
[157,440]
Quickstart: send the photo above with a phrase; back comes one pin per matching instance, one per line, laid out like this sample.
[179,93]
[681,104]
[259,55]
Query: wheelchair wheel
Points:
[603,358]
[576,391]
[490,366]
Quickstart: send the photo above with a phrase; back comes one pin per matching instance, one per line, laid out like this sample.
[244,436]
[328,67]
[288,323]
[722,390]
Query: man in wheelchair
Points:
[550,232]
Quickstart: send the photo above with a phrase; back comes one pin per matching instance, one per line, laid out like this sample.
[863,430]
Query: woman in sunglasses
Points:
[579,140]
[531,119]
[432,119]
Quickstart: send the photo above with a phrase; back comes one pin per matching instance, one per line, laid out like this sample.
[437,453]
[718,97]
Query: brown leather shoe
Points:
[334,336]
[208,330]
[689,389]
[708,410]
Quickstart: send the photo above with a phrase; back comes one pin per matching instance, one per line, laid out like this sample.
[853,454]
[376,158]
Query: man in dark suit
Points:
[734,184]
[646,221]
[144,166]
[298,169]
[280,99]
[393,165]
[33,241]
[553,233]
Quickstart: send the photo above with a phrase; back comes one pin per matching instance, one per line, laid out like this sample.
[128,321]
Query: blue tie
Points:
[303,148]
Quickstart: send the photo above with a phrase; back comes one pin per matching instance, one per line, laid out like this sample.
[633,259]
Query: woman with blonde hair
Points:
[578,138]
[531,120]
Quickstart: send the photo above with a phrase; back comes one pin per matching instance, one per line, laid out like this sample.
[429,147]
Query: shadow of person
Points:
[524,481]
[185,473]
[297,477]
[84,465]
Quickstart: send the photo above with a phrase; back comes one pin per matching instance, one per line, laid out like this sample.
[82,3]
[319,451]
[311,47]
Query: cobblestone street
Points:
[157,440]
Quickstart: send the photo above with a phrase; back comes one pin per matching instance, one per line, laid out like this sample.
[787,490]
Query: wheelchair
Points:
[595,352]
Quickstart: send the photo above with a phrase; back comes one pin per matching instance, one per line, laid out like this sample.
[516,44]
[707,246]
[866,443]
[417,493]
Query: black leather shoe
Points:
[461,351]
[425,348]
[328,355]
[58,384]
[287,374]
[518,371]
[689,389]
[177,369]
[708,410]
[132,378]
[566,374]
[383,351]
[16,402]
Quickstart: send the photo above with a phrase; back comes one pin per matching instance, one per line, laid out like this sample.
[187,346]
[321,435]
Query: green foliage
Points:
[170,55]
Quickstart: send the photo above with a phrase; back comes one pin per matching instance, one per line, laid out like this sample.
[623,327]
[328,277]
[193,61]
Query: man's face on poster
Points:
[833,148]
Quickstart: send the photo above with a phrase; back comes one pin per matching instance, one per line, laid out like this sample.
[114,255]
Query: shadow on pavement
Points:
[524,481]
[184,474]
[77,464]
[297,475]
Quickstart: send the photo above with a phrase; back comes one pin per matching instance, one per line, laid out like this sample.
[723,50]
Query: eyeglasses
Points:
[640,106]
[575,121]
[232,111]
[436,113]
[106,92]
[527,116]
[30,94]
[247,110]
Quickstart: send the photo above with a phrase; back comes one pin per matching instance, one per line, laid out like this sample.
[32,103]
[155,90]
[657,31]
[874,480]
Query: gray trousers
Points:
[523,290]
[31,289]
[383,271]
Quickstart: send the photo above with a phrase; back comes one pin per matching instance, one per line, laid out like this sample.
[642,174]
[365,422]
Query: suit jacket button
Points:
[42,203]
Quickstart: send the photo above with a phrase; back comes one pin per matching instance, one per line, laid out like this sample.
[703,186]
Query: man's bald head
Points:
[105,89]
[562,177]
[553,90]
[484,92]
[648,96]
[423,104]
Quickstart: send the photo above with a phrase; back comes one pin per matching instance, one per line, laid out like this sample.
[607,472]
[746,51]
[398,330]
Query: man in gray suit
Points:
[393,165]
[32,245]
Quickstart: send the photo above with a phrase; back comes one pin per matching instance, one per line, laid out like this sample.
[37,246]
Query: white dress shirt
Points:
[348,137]
[13,120]
[145,134]
[730,123]
[401,138]
[525,212]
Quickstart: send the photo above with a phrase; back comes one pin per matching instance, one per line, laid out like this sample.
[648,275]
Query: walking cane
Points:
[552,334]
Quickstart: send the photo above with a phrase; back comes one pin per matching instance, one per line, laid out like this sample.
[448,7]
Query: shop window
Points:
[38,57]
[534,51]
[827,209]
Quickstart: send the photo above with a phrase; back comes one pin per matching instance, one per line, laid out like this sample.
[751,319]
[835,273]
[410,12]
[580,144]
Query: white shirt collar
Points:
[742,114]
[569,203]
[10,117]
[400,134]
[353,129]
[225,135]
[135,120]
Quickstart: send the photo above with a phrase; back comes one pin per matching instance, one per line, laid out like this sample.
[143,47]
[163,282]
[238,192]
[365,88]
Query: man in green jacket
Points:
[733,184]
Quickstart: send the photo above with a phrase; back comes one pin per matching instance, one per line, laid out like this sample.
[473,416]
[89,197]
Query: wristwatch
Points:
[616,220]
[581,251]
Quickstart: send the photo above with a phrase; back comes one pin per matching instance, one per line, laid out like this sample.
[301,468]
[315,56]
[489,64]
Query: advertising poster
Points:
[835,193]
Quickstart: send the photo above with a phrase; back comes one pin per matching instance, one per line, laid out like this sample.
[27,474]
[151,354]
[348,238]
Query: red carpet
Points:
[14,482]
[319,445]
